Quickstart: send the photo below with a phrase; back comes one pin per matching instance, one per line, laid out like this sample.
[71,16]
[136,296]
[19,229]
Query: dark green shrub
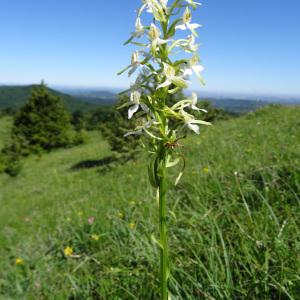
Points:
[80,137]
[42,123]
[98,117]
[10,158]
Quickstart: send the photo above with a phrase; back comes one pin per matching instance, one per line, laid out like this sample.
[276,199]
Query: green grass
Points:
[234,221]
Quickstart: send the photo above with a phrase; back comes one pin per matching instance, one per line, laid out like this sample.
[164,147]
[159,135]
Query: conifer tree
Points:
[42,123]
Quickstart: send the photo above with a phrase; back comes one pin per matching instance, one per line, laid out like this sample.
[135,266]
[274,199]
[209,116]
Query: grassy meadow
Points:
[234,218]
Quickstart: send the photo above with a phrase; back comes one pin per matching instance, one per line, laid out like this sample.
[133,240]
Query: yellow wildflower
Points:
[131,225]
[19,261]
[95,237]
[206,170]
[68,251]
[120,215]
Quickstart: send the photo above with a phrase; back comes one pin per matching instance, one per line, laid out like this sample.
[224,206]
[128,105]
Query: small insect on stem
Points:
[172,145]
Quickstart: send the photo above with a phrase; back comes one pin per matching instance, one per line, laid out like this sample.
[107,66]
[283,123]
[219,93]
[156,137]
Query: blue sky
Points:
[247,46]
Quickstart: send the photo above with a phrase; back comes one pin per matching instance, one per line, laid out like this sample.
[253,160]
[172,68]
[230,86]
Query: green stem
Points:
[164,255]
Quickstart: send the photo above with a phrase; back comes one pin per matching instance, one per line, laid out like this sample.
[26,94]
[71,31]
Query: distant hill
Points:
[15,96]
[238,106]
[94,96]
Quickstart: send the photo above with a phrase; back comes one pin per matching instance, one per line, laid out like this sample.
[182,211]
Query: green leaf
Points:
[179,82]
[124,70]
[156,241]
[152,173]
[124,105]
[171,164]
[181,61]
[129,40]
[173,214]
[178,178]
[171,31]
[139,44]
[174,91]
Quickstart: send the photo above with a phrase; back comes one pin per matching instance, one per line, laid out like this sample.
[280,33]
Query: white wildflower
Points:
[154,36]
[193,3]
[193,67]
[135,100]
[139,28]
[186,22]
[139,129]
[189,44]
[188,103]
[192,123]
[169,72]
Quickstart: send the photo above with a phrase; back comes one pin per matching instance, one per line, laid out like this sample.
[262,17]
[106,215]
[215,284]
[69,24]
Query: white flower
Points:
[189,45]
[135,98]
[186,22]
[154,7]
[164,3]
[193,67]
[193,3]
[194,101]
[139,129]
[192,123]
[139,28]
[151,5]
[154,36]
[135,63]
[169,72]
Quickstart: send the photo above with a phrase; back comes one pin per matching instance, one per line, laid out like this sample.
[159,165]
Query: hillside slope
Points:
[15,96]
[234,226]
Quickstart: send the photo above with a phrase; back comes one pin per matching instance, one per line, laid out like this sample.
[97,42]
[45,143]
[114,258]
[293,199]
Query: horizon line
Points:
[218,93]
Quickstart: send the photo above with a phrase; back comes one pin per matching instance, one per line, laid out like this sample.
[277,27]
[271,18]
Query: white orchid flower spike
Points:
[158,91]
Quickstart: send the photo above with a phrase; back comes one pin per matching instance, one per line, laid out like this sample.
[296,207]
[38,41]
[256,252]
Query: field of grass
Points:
[234,220]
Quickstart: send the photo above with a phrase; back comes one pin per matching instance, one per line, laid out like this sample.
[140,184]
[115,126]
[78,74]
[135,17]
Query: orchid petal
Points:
[194,127]
[181,27]
[133,109]
[164,84]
